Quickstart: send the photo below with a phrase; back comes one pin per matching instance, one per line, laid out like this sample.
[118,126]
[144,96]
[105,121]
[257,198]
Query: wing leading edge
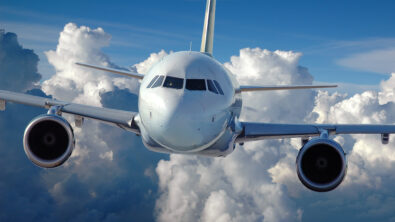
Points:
[116,71]
[271,88]
[260,131]
[120,118]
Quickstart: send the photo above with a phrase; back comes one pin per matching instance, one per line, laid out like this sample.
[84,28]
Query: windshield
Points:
[195,84]
[158,82]
[173,82]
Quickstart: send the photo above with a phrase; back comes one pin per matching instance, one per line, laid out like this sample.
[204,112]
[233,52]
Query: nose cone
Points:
[184,125]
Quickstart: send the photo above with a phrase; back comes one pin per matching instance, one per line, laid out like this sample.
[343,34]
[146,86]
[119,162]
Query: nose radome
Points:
[180,127]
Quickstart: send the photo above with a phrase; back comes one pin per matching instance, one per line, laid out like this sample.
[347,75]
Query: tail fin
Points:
[208,29]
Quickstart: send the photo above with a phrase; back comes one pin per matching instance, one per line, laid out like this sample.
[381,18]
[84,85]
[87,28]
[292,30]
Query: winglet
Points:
[116,71]
[208,28]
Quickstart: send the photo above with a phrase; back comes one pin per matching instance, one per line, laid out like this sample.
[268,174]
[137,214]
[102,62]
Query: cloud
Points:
[258,181]
[263,67]
[143,67]
[23,192]
[18,66]
[112,177]
[80,84]
[191,186]
[107,177]
[348,88]
[123,190]
[380,61]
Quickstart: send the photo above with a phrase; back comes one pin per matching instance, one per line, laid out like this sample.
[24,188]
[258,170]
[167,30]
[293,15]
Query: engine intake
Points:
[48,141]
[321,164]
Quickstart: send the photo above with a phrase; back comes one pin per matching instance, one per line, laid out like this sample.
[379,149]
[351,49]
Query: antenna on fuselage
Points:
[208,28]
[190,46]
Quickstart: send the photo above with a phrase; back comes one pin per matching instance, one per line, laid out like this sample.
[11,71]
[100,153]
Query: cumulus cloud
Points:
[24,195]
[263,67]
[79,84]
[144,66]
[240,186]
[18,66]
[258,181]
[105,179]
[122,191]
[112,177]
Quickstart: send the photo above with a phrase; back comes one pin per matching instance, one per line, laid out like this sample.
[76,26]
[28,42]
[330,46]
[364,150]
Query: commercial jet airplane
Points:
[190,104]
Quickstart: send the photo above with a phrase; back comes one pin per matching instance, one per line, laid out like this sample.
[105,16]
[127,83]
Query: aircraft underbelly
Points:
[222,146]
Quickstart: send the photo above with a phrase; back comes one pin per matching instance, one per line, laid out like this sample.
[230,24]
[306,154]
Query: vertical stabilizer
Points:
[208,28]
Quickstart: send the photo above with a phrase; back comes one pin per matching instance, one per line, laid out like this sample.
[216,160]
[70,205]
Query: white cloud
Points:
[258,181]
[387,93]
[105,175]
[263,67]
[74,83]
[144,66]
[192,185]
[79,84]
[348,88]
[196,188]
[380,61]
[117,156]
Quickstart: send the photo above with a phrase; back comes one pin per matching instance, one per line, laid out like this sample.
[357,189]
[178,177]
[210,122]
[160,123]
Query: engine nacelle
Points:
[321,164]
[48,141]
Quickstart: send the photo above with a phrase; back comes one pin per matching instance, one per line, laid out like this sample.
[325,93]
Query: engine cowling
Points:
[321,164]
[48,141]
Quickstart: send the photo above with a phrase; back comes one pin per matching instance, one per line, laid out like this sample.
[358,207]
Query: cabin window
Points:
[173,82]
[211,87]
[158,82]
[218,87]
[196,84]
[152,81]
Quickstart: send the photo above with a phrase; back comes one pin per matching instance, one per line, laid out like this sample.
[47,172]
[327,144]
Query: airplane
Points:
[189,103]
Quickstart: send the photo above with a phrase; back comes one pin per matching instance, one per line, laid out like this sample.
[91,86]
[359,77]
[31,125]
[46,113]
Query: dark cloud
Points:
[120,99]
[23,193]
[111,176]
[18,66]
[89,186]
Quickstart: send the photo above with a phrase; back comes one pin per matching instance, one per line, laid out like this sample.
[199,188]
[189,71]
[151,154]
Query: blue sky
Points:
[326,32]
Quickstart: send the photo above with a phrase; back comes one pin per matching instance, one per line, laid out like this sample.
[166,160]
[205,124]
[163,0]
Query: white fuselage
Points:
[177,115]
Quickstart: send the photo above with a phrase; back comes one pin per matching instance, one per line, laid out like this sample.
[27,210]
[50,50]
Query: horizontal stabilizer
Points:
[270,88]
[116,71]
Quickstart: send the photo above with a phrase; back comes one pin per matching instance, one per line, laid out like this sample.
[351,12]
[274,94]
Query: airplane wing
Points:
[260,131]
[270,88]
[120,118]
[116,71]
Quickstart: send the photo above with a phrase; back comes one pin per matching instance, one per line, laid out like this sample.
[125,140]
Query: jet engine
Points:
[48,140]
[321,164]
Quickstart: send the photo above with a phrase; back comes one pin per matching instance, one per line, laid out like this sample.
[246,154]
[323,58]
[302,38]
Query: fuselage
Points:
[189,103]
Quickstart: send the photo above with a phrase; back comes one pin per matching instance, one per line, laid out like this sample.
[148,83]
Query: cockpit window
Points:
[158,82]
[218,87]
[173,82]
[195,84]
[152,81]
[211,87]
